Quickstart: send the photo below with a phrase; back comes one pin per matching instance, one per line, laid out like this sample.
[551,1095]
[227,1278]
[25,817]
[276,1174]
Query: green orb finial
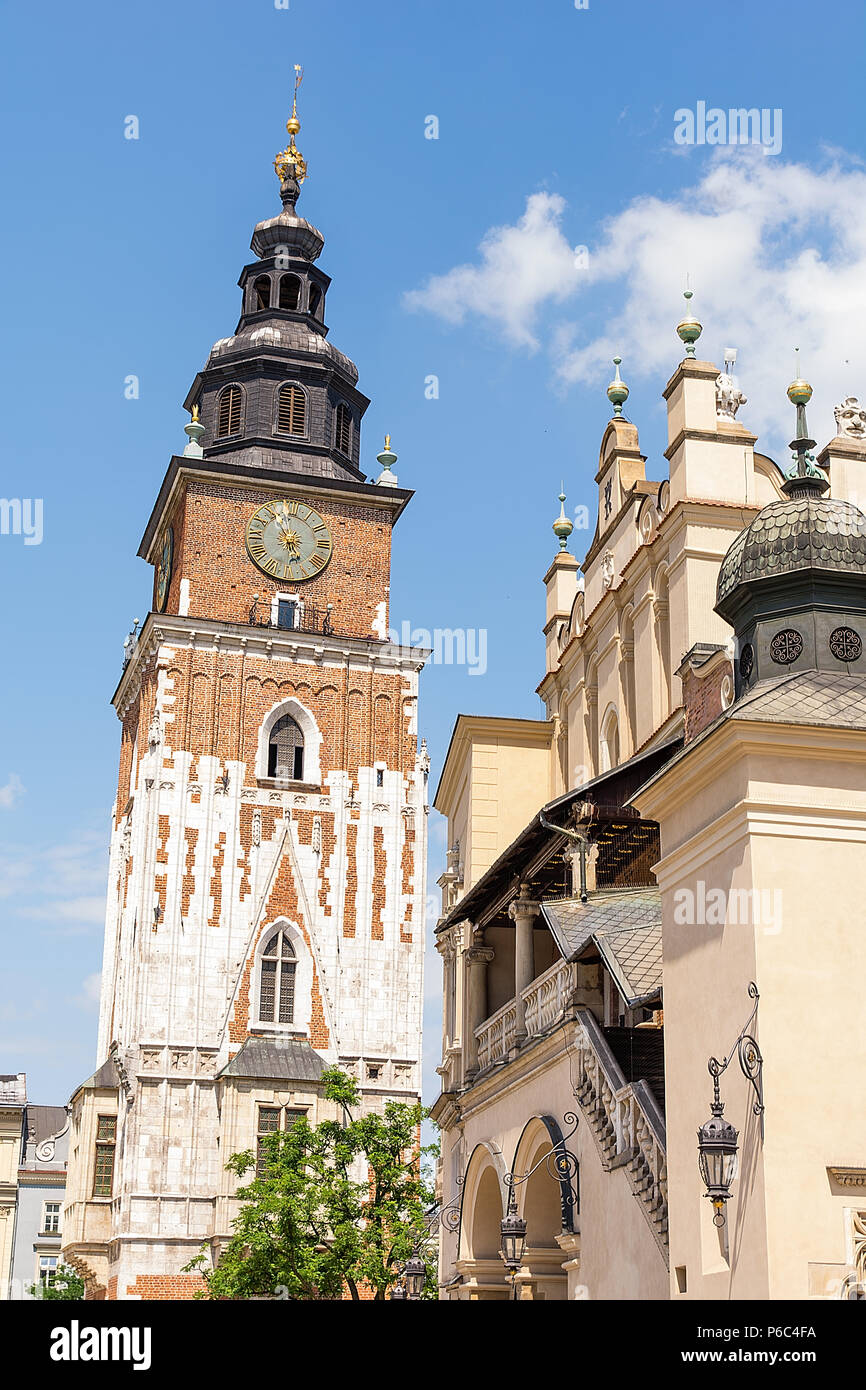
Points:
[689,329]
[617,391]
[562,527]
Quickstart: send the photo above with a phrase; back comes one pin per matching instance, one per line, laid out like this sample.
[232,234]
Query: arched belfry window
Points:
[229,411]
[262,292]
[343,430]
[315,300]
[291,410]
[290,292]
[277,987]
[286,750]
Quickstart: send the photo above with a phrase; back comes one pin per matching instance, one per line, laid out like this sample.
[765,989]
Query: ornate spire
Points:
[617,391]
[386,478]
[689,329]
[290,163]
[562,527]
[804,477]
[194,431]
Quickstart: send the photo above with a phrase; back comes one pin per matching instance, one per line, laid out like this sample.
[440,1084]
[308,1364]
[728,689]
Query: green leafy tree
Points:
[331,1208]
[66,1284]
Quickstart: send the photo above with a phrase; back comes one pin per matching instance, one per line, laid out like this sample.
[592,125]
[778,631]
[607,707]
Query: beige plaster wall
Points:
[783,812]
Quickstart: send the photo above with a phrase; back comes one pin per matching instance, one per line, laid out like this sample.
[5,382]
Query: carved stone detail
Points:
[729,397]
[850,419]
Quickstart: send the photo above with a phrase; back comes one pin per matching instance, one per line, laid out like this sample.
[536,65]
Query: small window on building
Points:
[287,616]
[106,1141]
[343,430]
[290,293]
[51,1217]
[262,292]
[229,412]
[315,300]
[286,750]
[272,1119]
[380,777]
[48,1269]
[291,410]
[277,990]
[269,1123]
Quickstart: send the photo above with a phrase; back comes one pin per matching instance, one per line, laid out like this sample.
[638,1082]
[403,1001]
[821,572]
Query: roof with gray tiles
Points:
[818,698]
[287,1059]
[633,955]
[812,697]
[574,923]
[796,533]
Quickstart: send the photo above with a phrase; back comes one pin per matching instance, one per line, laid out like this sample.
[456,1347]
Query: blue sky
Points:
[451,257]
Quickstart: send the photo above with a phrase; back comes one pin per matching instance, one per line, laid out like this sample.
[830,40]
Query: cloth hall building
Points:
[652,920]
[267,869]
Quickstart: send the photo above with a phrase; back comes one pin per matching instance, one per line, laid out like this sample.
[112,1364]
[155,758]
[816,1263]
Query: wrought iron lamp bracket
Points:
[561,1163]
[749,1056]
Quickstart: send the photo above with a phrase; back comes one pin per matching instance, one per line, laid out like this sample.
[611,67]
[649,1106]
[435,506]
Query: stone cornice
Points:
[690,367]
[848,1176]
[164,629]
[181,469]
[702,762]
[725,434]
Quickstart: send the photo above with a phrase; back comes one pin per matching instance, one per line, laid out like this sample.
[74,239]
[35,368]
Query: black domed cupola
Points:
[277,394]
[793,583]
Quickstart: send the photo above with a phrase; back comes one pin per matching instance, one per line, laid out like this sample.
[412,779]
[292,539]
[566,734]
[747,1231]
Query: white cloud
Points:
[63,884]
[521,268]
[10,793]
[88,909]
[776,253]
[88,997]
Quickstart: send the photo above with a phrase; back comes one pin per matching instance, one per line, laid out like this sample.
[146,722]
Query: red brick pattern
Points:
[380,862]
[153,1287]
[702,698]
[210,520]
[350,908]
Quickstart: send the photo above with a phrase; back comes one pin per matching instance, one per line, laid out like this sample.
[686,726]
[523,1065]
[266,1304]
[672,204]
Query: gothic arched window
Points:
[290,292]
[291,410]
[315,300]
[343,430]
[277,988]
[286,750]
[229,411]
[262,292]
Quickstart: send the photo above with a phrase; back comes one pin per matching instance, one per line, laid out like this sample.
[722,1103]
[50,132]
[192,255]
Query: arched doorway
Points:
[482,1273]
[544,1201]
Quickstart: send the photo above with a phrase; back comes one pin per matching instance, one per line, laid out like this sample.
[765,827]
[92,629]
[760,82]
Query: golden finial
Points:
[195,413]
[387,443]
[291,155]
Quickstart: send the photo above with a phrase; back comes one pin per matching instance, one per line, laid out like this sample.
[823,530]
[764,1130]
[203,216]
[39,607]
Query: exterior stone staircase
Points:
[626,1123]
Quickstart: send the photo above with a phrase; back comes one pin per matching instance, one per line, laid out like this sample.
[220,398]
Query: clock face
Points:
[288,540]
[163,573]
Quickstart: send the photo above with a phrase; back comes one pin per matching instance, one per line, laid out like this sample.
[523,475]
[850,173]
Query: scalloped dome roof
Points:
[795,533]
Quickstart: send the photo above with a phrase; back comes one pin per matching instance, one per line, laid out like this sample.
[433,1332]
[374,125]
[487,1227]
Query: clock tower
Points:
[267,872]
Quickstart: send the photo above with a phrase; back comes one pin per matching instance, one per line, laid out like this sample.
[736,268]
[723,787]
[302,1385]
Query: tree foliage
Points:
[66,1284]
[333,1208]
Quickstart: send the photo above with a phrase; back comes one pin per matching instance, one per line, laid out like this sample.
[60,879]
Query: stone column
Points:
[523,912]
[569,1244]
[477,957]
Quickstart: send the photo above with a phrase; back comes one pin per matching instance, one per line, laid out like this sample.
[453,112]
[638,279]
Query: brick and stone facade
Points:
[211,853]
